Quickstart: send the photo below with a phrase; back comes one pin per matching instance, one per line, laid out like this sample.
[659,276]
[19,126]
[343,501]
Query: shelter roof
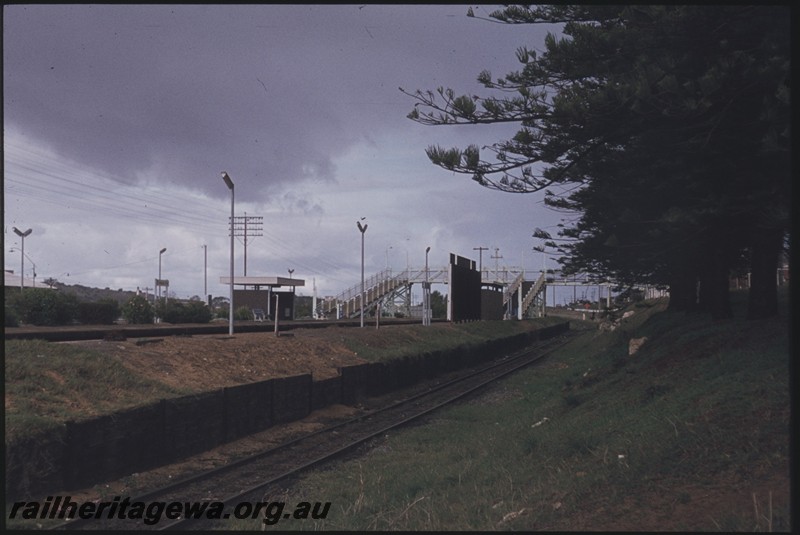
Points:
[274,282]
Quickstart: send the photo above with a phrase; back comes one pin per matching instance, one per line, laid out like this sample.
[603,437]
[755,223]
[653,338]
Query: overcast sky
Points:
[118,121]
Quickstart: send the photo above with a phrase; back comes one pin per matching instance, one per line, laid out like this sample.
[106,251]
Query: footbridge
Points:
[392,292]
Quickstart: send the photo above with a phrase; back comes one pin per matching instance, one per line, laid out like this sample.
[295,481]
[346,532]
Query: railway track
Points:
[250,476]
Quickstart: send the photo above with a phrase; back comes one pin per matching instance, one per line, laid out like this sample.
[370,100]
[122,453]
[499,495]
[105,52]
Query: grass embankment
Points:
[386,343]
[690,433]
[47,384]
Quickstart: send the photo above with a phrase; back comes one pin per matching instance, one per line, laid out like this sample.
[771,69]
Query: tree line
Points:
[664,131]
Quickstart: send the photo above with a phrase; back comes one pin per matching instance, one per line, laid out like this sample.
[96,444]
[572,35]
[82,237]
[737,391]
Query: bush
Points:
[180,312]
[41,306]
[198,312]
[104,312]
[138,310]
[11,319]
[243,313]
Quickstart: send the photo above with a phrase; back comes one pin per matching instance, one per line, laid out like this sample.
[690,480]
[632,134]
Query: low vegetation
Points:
[689,433]
[390,343]
[40,306]
[138,310]
[48,383]
[188,312]
[103,312]
[52,307]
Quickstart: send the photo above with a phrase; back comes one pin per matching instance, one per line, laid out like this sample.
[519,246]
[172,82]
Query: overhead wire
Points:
[53,185]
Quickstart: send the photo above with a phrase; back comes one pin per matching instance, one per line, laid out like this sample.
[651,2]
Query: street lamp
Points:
[22,235]
[363,229]
[426,293]
[293,295]
[162,251]
[229,183]
[205,273]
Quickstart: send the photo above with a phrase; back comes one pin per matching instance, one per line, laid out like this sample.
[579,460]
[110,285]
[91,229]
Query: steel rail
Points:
[506,365]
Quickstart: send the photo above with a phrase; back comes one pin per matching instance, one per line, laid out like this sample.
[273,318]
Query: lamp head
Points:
[162,250]
[227,179]
[21,233]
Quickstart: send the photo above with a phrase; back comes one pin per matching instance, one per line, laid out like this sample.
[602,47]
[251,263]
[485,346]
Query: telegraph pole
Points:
[496,257]
[480,258]
[247,226]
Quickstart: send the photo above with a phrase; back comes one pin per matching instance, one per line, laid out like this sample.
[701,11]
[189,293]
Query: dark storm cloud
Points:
[271,94]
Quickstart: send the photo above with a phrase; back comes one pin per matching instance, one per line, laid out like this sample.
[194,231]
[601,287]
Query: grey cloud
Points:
[274,92]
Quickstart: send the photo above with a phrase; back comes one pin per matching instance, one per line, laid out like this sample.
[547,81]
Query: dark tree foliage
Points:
[41,306]
[138,310]
[665,128]
[104,312]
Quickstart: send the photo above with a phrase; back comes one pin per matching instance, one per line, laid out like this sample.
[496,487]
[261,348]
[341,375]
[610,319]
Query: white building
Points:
[12,281]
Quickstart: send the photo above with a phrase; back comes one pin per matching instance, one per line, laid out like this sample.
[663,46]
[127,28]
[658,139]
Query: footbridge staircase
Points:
[392,292]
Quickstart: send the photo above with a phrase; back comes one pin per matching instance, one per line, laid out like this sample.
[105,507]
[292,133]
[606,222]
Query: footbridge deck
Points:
[392,291]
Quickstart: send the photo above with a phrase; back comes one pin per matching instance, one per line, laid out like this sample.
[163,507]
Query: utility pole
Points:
[205,272]
[247,226]
[480,258]
[496,257]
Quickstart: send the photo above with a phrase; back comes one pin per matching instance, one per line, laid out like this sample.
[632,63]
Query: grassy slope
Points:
[47,383]
[691,433]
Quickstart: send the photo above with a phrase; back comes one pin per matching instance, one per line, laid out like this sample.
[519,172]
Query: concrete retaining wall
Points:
[81,454]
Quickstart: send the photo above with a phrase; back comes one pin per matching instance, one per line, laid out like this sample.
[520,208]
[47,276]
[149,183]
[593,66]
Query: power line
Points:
[48,181]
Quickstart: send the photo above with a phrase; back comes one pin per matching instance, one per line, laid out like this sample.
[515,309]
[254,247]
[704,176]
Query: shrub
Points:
[11,319]
[180,312]
[104,312]
[138,310]
[243,313]
[41,306]
[198,312]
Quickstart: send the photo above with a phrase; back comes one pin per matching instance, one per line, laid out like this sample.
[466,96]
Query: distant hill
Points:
[86,293]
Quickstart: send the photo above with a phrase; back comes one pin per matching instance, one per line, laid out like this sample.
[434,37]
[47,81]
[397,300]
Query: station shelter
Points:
[265,295]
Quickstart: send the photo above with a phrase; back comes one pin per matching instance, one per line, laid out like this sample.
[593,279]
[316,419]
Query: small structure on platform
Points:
[465,290]
[262,294]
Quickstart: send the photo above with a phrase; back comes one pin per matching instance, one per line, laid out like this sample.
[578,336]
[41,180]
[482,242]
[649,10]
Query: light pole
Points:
[229,183]
[159,284]
[22,235]
[426,294]
[387,257]
[205,273]
[293,296]
[363,229]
